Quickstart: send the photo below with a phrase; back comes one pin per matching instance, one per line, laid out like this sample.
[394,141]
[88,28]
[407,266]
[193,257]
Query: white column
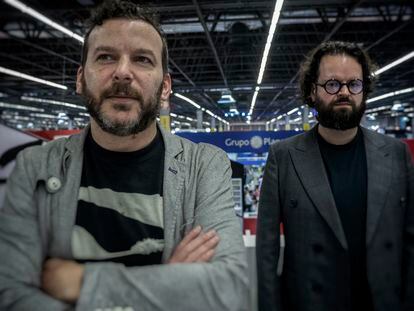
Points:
[199,119]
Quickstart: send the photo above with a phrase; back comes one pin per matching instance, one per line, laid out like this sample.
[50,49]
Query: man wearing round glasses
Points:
[345,197]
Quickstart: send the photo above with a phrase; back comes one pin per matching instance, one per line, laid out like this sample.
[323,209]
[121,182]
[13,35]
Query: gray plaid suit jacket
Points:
[296,191]
[36,222]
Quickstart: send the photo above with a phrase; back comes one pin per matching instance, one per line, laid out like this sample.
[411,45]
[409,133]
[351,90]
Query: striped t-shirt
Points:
[120,210]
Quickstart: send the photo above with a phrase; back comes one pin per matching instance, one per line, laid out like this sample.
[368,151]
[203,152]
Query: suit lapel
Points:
[379,170]
[309,166]
[173,186]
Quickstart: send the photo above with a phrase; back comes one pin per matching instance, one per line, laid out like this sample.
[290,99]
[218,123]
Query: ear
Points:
[79,74]
[313,93]
[166,87]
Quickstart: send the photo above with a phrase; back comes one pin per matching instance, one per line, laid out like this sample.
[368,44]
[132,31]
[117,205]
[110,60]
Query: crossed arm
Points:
[62,279]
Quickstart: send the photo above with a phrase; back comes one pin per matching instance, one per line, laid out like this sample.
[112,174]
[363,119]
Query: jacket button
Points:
[317,288]
[388,245]
[317,248]
[293,203]
[53,184]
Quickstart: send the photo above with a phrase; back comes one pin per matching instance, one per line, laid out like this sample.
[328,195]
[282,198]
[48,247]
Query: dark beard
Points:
[339,119]
[148,110]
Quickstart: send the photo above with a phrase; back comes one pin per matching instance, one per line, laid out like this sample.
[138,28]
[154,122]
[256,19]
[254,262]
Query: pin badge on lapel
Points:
[53,184]
[173,171]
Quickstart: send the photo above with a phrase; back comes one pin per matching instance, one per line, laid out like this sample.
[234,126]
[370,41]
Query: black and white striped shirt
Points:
[120,208]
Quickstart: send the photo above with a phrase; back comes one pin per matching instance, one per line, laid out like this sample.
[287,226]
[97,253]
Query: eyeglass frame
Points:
[341,84]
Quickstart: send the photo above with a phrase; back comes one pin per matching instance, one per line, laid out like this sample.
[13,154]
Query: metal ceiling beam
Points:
[338,24]
[36,46]
[182,72]
[342,21]
[24,61]
[389,34]
[210,41]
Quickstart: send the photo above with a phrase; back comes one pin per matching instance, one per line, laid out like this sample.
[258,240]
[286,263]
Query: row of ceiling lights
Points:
[275,17]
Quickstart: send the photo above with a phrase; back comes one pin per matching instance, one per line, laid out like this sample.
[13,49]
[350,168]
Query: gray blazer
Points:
[39,212]
[296,191]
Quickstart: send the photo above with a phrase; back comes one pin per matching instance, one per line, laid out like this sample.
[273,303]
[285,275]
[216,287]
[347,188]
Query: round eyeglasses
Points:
[333,86]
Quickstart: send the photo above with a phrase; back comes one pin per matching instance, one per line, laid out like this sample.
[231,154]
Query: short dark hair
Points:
[110,9]
[309,71]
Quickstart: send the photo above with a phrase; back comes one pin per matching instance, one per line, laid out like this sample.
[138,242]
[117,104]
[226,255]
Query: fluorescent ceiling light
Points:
[28,10]
[20,107]
[253,102]
[394,63]
[292,111]
[187,100]
[43,115]
[210,113]
[31,78]
[390,94]
[199,107]
[379,108]
[268,45]
[50,101]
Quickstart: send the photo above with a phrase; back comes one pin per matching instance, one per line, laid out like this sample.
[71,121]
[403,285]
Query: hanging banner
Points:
[240,142]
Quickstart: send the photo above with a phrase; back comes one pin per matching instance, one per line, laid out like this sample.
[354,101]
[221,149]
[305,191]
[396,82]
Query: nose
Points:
[123,71]
[344,90]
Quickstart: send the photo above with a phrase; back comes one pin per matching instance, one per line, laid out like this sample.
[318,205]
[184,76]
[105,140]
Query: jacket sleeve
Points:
[218,285]
[21,253]
[268,237]
[408,250]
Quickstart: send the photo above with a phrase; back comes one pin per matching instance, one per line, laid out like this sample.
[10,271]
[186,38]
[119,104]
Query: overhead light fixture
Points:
[269,40]
[199,107]
[20,107]
[50,101]
[28,10]
[187,100]
[292,111]
[43,115]
[210,113]
[395,63]
[234,110]
[390,94]
[14,73]
[226,99]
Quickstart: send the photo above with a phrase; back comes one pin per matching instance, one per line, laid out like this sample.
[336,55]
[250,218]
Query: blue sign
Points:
[237,142]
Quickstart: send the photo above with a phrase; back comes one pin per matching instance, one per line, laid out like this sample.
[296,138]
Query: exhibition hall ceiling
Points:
[215,50]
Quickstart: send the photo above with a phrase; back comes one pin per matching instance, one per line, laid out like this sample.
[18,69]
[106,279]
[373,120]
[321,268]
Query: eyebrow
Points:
[104,48]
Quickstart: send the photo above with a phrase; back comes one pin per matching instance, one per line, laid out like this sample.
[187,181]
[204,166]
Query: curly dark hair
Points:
[309,70]
[110,9]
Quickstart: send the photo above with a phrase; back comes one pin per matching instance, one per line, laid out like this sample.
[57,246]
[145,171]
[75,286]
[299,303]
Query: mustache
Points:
[344,100]
[121,89]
